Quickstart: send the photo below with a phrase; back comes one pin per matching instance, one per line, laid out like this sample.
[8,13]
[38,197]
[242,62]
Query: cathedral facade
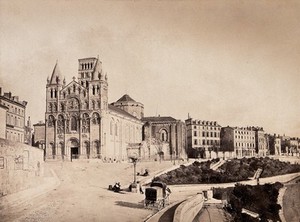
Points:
[79,121]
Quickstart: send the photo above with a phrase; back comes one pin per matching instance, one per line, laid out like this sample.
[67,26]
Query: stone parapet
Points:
[188,209]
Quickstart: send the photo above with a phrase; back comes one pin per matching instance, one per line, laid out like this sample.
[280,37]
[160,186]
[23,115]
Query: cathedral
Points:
[81,124]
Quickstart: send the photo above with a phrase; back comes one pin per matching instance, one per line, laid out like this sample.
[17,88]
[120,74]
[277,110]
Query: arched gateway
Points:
[73,144]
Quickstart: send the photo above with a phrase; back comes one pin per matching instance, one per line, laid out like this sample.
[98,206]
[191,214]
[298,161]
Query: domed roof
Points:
[126,98]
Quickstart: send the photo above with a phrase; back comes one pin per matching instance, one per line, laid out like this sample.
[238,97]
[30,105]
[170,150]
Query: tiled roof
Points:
[158,119]
[120,111]
[126,98]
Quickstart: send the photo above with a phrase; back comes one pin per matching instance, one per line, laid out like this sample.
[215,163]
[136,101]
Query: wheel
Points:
[160,204]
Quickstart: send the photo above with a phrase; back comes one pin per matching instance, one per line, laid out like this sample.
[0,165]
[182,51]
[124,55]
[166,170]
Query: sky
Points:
[234,62]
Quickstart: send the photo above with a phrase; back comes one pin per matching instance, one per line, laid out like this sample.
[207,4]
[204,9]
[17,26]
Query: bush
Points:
[261,199]
[231,171]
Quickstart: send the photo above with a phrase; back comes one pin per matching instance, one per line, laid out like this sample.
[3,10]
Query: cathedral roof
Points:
[56,74]
[120,111]
[126,98]
[158,119]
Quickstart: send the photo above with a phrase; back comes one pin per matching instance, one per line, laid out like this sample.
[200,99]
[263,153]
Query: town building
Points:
[203,138]
[39,135]
[285,144]
[79,122]
[15,116]
[237,141]
[274,144]
[164,138]
[260,141]
[294,146]
[3,110]
[28,133]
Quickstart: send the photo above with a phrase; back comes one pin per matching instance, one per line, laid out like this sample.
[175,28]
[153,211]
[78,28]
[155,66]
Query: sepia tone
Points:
[108,108]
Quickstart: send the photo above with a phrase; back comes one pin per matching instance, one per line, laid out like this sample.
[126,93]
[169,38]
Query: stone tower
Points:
[76,112]
[131,106]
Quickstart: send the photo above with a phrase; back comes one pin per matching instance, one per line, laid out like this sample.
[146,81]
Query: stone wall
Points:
[188,209]
[21,167]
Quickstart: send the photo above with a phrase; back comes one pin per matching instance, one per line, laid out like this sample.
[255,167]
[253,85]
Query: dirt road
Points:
[83,195]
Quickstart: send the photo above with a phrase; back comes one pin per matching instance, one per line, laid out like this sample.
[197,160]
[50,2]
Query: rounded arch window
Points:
[163,135]
[73,123]
[51,121]
[96,119]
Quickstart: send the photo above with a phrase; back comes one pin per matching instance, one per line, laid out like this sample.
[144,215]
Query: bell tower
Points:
[92,77]
[53,87]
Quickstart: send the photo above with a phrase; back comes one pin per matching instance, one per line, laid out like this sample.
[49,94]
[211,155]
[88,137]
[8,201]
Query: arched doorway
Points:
[74,147]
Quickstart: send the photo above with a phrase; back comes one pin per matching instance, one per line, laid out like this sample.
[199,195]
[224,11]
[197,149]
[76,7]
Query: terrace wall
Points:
[21,166]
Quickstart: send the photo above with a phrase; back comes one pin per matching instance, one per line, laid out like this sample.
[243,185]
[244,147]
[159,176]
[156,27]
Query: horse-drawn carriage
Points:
[157,195]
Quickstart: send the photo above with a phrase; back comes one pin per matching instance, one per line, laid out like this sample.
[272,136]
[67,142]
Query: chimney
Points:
[29,122]
[16,98]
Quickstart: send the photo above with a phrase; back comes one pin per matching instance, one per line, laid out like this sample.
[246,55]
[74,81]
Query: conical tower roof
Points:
[56,75]
[97,69]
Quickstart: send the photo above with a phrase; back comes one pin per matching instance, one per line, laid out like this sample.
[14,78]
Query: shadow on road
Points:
[131,205]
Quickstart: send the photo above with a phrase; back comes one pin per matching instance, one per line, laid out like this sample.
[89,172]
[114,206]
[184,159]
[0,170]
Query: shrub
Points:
[231,171]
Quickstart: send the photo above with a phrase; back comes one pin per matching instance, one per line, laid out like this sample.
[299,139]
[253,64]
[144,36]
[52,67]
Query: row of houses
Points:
[12,119]
[207,139]
[80,123]
[162,137]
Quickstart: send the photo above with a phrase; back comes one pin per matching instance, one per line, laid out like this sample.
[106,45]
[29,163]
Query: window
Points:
[96,119]
[73,123]
[51,121]
[195,133]
[116,129]
[60,124]
[164,135]
[195,142]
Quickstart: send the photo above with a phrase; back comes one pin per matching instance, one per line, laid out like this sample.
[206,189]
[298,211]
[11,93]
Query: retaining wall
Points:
[21,167]
[188,209]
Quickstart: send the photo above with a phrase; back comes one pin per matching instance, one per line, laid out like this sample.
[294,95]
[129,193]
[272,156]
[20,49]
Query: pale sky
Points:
[235,62]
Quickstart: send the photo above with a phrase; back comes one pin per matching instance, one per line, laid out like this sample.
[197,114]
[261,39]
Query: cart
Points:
[157,196]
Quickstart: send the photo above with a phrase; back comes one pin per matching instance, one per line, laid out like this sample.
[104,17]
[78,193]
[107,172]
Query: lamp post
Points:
[134,160]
